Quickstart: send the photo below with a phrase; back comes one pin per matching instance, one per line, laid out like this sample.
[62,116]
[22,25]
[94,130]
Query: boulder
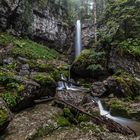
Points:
[90,64]
[121,84]
[5,115]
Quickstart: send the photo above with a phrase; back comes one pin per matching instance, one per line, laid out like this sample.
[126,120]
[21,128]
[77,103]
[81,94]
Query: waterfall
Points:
[78,46]
[101,108]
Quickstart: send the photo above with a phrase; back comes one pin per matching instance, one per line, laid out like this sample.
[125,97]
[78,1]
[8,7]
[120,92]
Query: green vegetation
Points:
[83,118]
[62,121]
[131,88]
[121,25]
[10,99]
[44,79]
[118,108]
[28,48]
[131,46]
[3,116]
[123,108]
[42,131]
[6,78]
[91,60]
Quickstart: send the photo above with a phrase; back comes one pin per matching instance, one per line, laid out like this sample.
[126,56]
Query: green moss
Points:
[10,98]
[8,79]
[44,79]
[118,108]
[123,108]
[62,121]
[83,118]
[90,60]
[67,113]
[28,48]
[20,88]
[3,116]
[128,83]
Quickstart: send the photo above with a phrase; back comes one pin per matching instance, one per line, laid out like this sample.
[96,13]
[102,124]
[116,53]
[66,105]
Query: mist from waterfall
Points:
[78,44]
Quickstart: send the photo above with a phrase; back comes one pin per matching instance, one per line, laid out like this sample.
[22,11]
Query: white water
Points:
[78,46]
[64,85]
[123,121]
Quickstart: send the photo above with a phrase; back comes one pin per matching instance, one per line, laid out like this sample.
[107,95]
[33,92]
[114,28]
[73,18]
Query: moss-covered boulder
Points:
[47,83]
[89,63]
[121,84]
[126,85]
[5,115]
[123,107]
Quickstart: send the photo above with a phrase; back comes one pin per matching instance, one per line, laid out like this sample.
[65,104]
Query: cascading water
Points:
[78,45]
[64,85]
[123,121]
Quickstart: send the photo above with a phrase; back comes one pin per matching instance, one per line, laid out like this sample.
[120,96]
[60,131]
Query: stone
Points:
[89,64]
[87,33]
[8,61]
[98,89]
[24,72]
[22,59]
[5,115]
[121,84]
[127,62]
[25,67]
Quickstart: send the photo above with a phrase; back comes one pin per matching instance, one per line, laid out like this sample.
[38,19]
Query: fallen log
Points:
[111,125]
[43,100]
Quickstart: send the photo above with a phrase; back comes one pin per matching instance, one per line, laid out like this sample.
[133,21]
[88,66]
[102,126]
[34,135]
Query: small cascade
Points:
[102,111]
[123,121]
[64,85]
[78,45]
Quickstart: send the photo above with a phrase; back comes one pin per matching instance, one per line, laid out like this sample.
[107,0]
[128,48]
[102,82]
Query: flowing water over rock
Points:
[123,121]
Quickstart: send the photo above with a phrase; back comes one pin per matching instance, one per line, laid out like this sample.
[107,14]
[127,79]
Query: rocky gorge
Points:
[37,56]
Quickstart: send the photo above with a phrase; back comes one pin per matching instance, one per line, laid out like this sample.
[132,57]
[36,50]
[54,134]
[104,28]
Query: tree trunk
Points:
[95,22]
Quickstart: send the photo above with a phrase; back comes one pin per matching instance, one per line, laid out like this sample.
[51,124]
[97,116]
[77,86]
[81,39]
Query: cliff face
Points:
[41,20]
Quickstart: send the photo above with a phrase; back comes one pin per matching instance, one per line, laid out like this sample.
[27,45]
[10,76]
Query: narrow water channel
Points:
[123,121]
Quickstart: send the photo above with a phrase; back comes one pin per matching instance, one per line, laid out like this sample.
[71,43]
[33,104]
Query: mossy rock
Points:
[83,118]
[127,85]
[5,115]
[62,121]
[7,77]
[44,79]
[122,108]
[118,108]
[11,99]
[89,64]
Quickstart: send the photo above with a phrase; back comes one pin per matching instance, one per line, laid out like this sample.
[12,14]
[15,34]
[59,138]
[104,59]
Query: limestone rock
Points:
[37,20]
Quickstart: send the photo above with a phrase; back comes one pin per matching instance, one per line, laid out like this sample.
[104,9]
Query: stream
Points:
[134,125]
[123,121]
